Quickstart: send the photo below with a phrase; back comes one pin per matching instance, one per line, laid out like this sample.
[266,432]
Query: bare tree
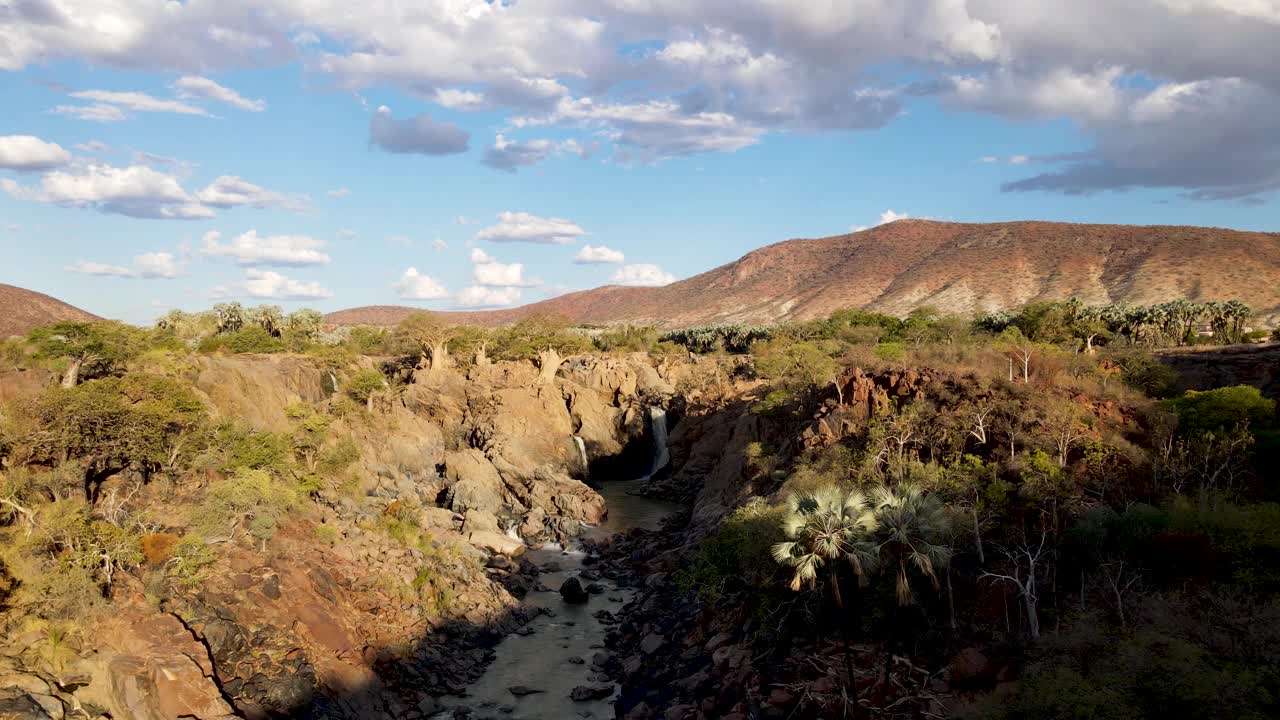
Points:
[1026,562]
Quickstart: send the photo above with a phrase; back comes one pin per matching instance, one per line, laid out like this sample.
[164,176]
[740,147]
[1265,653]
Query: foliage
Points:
[911,533]
[191,560]
[1222,409]
[364,384]
[737,554]
[627,338]
[536,333]
[249,500]
[1245,538]
[715,338]
[251,339]
[822,528]
[92,350]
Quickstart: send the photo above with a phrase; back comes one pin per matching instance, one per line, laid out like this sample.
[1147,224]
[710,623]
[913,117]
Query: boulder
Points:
[573,592]
[496,542]
[522,690]
[651,643]
[474,483]
[587,693]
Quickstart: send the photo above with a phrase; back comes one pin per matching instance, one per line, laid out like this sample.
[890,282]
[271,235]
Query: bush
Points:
[629,338]
[157,548]
[250,339]
[191,559]
[251,500]
[737,555]
[1222,409]
[362,386]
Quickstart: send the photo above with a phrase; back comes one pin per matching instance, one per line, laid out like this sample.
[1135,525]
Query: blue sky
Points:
[154,158]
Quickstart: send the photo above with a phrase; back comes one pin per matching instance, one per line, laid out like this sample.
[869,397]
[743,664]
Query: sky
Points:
[463,154]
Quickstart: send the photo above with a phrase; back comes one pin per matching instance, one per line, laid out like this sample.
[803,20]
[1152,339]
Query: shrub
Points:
[327,534]
[252,500]
[191,559]
[738,554]
[250,339]
[1222,409]
[364,384]
[157,548]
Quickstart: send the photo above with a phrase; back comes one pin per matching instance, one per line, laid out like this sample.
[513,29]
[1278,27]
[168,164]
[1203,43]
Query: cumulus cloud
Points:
[593,254]
[268,284]
[147,265]
[889,216]
[526,227]
[195,86]
[488,272]
[510,155]
[275,250]
[413,285]
[28,153]
[480,257]
[644,275]
[136,191]
[487,297]
[418,134]
[439,245]
[142,191]
[697,76]
[229,191]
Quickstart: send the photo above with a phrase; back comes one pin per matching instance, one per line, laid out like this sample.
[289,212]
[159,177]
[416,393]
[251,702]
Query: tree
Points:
[1025,562]
[823,528]
[107,426]
[545,338]
[796,366]
[304,323]
[431,336]
[912,526]
[1019,347]
[230,316]
[1066,424]
[91,349]
[268,317]
[364,385]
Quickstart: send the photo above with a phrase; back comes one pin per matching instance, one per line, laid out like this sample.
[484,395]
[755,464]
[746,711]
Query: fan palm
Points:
[821,528]
[912,530]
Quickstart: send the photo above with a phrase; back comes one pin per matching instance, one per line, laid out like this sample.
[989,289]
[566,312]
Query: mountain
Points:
[957,267]
[24,310]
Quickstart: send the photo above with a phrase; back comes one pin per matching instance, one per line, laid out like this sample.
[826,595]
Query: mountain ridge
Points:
[23,310]
[956,267]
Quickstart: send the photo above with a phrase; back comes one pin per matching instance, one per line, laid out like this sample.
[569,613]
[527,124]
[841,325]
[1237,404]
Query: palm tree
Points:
[1237,313]
[912,530]
[823,527]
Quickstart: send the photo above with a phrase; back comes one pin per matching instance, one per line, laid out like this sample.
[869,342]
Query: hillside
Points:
[957,267]
[24,310]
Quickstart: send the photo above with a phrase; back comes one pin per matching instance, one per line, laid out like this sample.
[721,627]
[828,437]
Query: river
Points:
[545,660]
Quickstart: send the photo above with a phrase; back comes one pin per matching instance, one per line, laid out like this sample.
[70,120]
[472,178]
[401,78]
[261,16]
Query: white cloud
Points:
[510,155]
[455,99]
[464,220]
[418,134]
[136,191]
[495,274]
[889,216]
[413,285]
[339,193]
[988,159]
[643,274]
[485,297]
[275,250]
[138,102]
[346,234]
[480,257]
[28,152]
[268,284]
[194,86]
[592,254]
[525,227]
[93,146]
[439,245]
[97,112]
[229,191]
[1018,159]
[148,265]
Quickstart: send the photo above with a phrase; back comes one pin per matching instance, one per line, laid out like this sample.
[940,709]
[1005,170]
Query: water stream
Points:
[546,659]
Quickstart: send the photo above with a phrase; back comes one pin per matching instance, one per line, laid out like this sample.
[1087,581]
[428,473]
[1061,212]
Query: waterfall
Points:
[513,531]
[333,379]
[658,423]
[582,452]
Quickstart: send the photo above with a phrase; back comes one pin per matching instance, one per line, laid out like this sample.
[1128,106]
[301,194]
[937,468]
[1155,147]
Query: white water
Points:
[582,452]
[658,424]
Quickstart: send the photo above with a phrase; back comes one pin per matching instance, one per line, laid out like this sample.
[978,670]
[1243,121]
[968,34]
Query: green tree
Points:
[431,336]
[90,349]
[304,323]
[912,527]
[230,316]
[798,367]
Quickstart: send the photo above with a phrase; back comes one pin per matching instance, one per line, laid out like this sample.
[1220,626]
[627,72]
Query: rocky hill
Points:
[25,310]
[957,267]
